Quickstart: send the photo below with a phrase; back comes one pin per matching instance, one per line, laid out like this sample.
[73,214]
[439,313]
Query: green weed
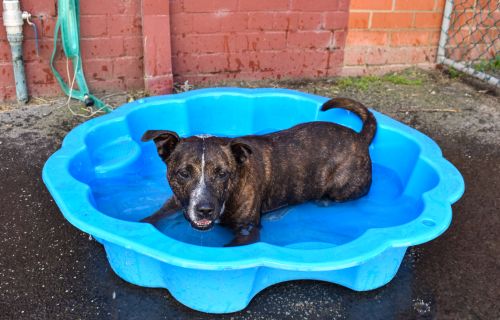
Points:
[364,83]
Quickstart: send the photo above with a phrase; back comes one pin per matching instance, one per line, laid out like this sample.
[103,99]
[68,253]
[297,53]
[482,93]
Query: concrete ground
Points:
[50,270]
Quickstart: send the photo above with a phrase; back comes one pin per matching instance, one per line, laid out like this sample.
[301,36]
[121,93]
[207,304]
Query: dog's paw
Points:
[324,203]
[238,243]
[245,237]
[232,244]
[151,220]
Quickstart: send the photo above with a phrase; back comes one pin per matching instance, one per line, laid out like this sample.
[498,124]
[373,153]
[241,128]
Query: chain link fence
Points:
[470,38]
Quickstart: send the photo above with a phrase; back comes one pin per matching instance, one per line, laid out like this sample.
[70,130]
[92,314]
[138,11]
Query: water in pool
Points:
[314,225]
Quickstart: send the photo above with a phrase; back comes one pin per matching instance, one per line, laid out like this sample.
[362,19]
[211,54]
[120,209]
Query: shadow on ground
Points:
[50,270]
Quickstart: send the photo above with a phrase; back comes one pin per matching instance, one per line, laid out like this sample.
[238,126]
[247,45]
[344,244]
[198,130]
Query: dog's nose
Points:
[204,210]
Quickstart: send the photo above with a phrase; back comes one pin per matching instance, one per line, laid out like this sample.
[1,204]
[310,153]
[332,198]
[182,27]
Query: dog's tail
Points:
[369,122]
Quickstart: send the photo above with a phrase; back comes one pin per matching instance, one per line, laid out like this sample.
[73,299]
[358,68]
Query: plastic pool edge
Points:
[156,245]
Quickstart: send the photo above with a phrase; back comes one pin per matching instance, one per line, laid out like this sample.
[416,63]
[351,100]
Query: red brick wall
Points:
[111,44]
[386,35]
[135,44]
[255,39]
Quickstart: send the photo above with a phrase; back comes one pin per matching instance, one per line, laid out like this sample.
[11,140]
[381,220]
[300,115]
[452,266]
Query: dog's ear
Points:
[165,141]
[241,151]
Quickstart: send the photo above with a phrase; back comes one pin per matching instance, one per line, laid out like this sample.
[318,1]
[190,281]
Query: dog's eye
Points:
[183,174]
[222,174]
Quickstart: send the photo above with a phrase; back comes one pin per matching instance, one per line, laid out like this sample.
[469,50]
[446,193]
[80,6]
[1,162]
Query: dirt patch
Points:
[46,118]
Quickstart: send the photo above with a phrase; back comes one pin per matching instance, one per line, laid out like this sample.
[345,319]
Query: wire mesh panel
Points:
[470,38]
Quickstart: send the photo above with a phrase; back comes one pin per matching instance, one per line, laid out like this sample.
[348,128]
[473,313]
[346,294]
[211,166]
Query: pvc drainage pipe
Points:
[13,22]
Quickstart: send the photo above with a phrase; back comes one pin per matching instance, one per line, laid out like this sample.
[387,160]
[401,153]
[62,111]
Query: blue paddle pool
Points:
[105,180]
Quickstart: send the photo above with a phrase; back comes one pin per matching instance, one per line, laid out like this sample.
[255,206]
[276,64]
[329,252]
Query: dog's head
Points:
[202,172]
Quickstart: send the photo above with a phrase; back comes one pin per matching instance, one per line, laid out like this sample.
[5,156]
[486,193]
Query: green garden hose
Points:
[68,22]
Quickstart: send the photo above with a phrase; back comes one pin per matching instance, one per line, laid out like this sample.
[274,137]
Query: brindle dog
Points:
[235,180]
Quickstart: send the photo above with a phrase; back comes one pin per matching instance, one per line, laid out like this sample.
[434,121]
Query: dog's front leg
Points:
[245,234]
[170,207]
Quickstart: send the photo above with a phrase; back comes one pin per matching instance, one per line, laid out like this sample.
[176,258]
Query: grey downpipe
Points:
[13,22]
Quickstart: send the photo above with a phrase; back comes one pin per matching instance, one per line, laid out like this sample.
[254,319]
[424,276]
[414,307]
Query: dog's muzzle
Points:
[203,216]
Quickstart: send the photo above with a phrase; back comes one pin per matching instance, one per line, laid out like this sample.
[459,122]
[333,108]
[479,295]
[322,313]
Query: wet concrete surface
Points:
[50,270]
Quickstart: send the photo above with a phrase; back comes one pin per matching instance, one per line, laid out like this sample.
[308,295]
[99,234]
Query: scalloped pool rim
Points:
[73,198]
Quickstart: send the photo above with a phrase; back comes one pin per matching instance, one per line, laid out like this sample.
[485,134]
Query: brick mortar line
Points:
[167,75]
[221,53]
[427,46]
[394,11]
[217,73]
[225,56]
[394,64]
[103,15]
[120,58]
[255,31]
[388,66]
[108,14]
[395,29]
[156,15]
[110,37]
[106,59]
[293,50]
[251,31]
[386,47]
[262,11]
[418,64]
[225,53]
[219,33]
